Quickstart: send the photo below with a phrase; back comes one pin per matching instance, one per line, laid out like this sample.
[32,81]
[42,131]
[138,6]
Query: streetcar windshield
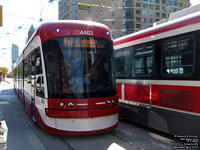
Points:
[79,67]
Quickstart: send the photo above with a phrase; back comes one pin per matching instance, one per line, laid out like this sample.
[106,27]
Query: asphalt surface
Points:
[24,134]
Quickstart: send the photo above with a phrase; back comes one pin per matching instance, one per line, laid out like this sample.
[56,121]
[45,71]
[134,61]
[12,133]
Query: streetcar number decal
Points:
[86,32]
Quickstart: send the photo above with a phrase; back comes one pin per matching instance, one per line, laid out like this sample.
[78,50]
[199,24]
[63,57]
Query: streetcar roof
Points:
[150,33]
[63,28]
[48,30]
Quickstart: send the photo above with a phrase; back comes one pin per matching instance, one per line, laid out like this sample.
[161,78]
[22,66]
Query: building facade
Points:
[14,54]
[121,16]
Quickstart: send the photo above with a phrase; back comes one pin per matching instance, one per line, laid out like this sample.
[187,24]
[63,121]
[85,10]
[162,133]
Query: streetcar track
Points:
[130,143]
[163,138]
[64,141]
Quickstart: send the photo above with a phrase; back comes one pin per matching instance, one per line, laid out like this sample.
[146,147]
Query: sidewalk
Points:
[20,126]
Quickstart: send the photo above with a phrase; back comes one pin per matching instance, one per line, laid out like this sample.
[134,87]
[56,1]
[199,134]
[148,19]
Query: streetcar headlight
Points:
[70,104]
[62,104]
[113,101]
[108,102]
[57,30]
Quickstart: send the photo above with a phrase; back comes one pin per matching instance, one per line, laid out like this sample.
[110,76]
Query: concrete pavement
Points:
[20,127]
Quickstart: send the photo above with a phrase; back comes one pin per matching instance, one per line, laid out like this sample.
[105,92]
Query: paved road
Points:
[24,134]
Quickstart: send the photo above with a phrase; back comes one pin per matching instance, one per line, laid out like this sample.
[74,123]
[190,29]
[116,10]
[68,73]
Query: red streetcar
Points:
[158,75]
[65,78]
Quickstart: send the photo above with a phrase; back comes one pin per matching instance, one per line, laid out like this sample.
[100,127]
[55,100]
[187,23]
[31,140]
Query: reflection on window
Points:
[123,62]
[143,60]
[79,67]
[178,56]
[39,74]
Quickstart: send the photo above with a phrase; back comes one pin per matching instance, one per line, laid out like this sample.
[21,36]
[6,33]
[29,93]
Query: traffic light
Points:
[1,20]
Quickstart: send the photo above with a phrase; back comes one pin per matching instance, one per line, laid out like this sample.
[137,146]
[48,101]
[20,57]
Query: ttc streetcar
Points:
[65,78]
[158,75]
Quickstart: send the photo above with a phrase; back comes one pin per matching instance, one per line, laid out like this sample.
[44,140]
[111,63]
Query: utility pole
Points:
[50,1]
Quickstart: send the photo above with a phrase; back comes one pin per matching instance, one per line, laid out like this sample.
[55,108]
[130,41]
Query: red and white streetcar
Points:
[65,78]
[158,74]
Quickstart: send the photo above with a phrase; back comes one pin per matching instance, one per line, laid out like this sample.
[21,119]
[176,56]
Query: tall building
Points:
[122,16]
[103,11]
[143,13]
[31,31]
[14,54]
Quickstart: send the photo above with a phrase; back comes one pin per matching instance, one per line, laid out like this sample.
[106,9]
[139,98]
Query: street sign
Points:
[83,6]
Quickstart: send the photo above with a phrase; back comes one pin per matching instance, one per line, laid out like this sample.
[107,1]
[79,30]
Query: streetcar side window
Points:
[39,74]
[143,60]
[27,75]
[123,62]
[178,56]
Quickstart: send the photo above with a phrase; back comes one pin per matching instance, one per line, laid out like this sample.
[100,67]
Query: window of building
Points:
[123,62]
[151,1]
[175,9]
[144,13]
[101,20]
[74,11]
[75,17]
[138,12]
[89,11]
[157,8]
[145,1]
[164,2]
[176,3]
[164,9]
[89,18]
[101,4]
[138,19]
[74,2]
[145,26]
[145,5]
[151,6]
[151,13]
[113,5]
[113,21]
[143,60]
[145,19]
[124,21]
[101,12]
[113,13]
[173,2]
[157,1]
[138,5]
[113,27]
[178,56]
[151,20]
[163,15]
[64,7]
[138,26]
[158,15]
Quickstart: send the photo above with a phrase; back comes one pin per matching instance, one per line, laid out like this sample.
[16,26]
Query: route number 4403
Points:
[86,32]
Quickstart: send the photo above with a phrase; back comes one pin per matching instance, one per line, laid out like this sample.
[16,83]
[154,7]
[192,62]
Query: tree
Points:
[4,70]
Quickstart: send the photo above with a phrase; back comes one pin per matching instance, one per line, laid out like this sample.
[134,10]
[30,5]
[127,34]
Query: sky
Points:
[18,16]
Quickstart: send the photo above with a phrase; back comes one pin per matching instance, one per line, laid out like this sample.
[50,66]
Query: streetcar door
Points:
[33,62]
[37,84]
